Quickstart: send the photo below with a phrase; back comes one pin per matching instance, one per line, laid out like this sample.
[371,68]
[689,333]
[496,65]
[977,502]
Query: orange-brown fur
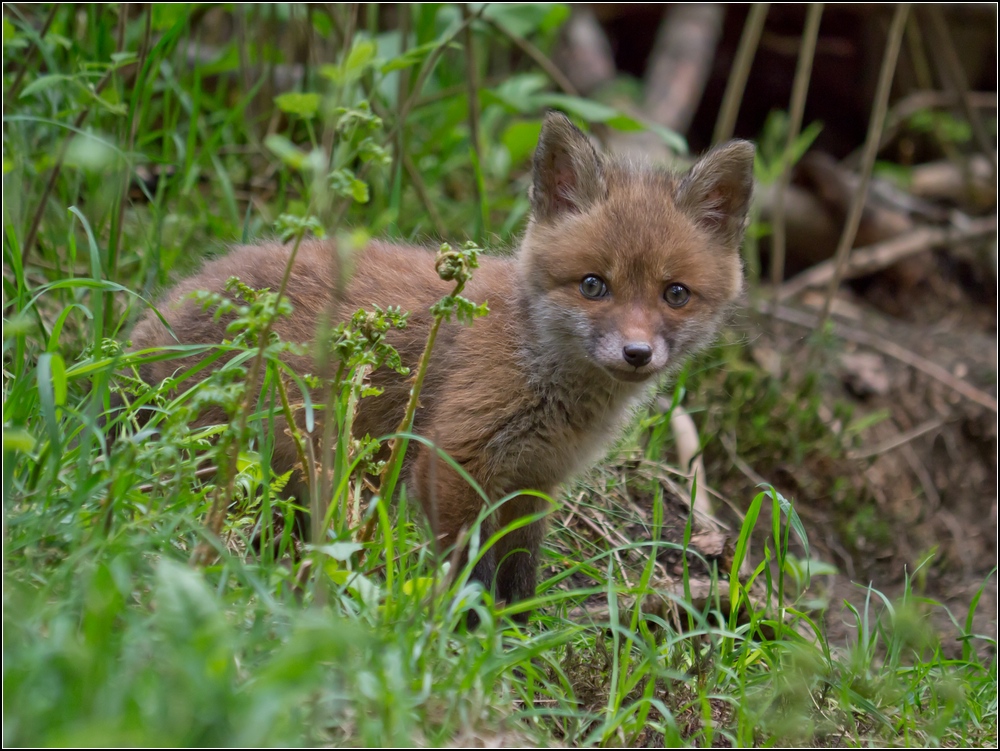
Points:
[531,393]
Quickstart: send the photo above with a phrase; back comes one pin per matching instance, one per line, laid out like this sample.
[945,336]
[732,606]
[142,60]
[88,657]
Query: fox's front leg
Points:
[453,507]
[517,553]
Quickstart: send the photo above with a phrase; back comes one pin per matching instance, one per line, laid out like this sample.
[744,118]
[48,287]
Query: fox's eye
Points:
[677,295]
[593,287]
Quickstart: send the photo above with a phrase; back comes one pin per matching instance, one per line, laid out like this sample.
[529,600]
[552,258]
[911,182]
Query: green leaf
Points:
[339,551]
[12,40]
[321,23]
[673,140]
[43,83]
[523,19]
[91,153]
[297,103]
[414,56]
[46,394]
[359,191]
[286,151]
[419,586]
[362,53]
[18,439]
[520,139]
[58,379]
[360,56]
[185,603]
[166,15]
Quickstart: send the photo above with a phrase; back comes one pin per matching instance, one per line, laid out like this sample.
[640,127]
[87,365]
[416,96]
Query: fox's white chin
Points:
[631,375]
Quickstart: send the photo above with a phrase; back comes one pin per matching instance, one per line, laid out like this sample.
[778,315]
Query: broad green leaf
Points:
[362,53]
[166,15]
[297,103]
[523,19]
[360,56]
[43,83]
[419,586]
[92,154]
[321,23]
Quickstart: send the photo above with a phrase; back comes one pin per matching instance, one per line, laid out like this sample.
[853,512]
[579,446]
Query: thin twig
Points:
[750,473]
[737,83]
[872,258]
[923,476]
[57,168]
[540,59]
[879,110]
[925,79]
[427,67]
[900,439]
[951,66]
[472,83]
[800,88]
[423,195]
[891,349]
[115,240]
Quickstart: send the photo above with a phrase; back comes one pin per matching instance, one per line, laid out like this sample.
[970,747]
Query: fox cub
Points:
[623,271]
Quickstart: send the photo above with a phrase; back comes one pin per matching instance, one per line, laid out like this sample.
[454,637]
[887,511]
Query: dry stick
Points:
[800,88]
[741,71]
[680,63]
[689,456]
[471,81]
[868,157]
[11,95]
[900,439]
[539,58]
[929,98]
[888,348]
[951,66]
[925,79]
[881,255]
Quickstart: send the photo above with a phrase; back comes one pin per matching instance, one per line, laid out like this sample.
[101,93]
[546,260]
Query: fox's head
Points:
[629,267]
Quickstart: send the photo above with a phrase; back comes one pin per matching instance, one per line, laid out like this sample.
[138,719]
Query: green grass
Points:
[112,636]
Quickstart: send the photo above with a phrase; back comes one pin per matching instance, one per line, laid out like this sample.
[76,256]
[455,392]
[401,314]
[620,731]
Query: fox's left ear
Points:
[716,191]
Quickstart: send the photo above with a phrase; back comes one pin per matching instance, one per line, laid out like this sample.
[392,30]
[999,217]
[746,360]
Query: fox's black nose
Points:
[637,354]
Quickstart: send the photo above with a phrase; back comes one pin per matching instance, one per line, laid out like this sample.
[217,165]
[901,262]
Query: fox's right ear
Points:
[567,170]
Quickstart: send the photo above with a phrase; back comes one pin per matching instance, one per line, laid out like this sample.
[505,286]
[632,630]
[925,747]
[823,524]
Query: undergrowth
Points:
[153,591]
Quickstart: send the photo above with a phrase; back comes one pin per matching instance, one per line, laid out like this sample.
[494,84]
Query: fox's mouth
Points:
[631,375]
